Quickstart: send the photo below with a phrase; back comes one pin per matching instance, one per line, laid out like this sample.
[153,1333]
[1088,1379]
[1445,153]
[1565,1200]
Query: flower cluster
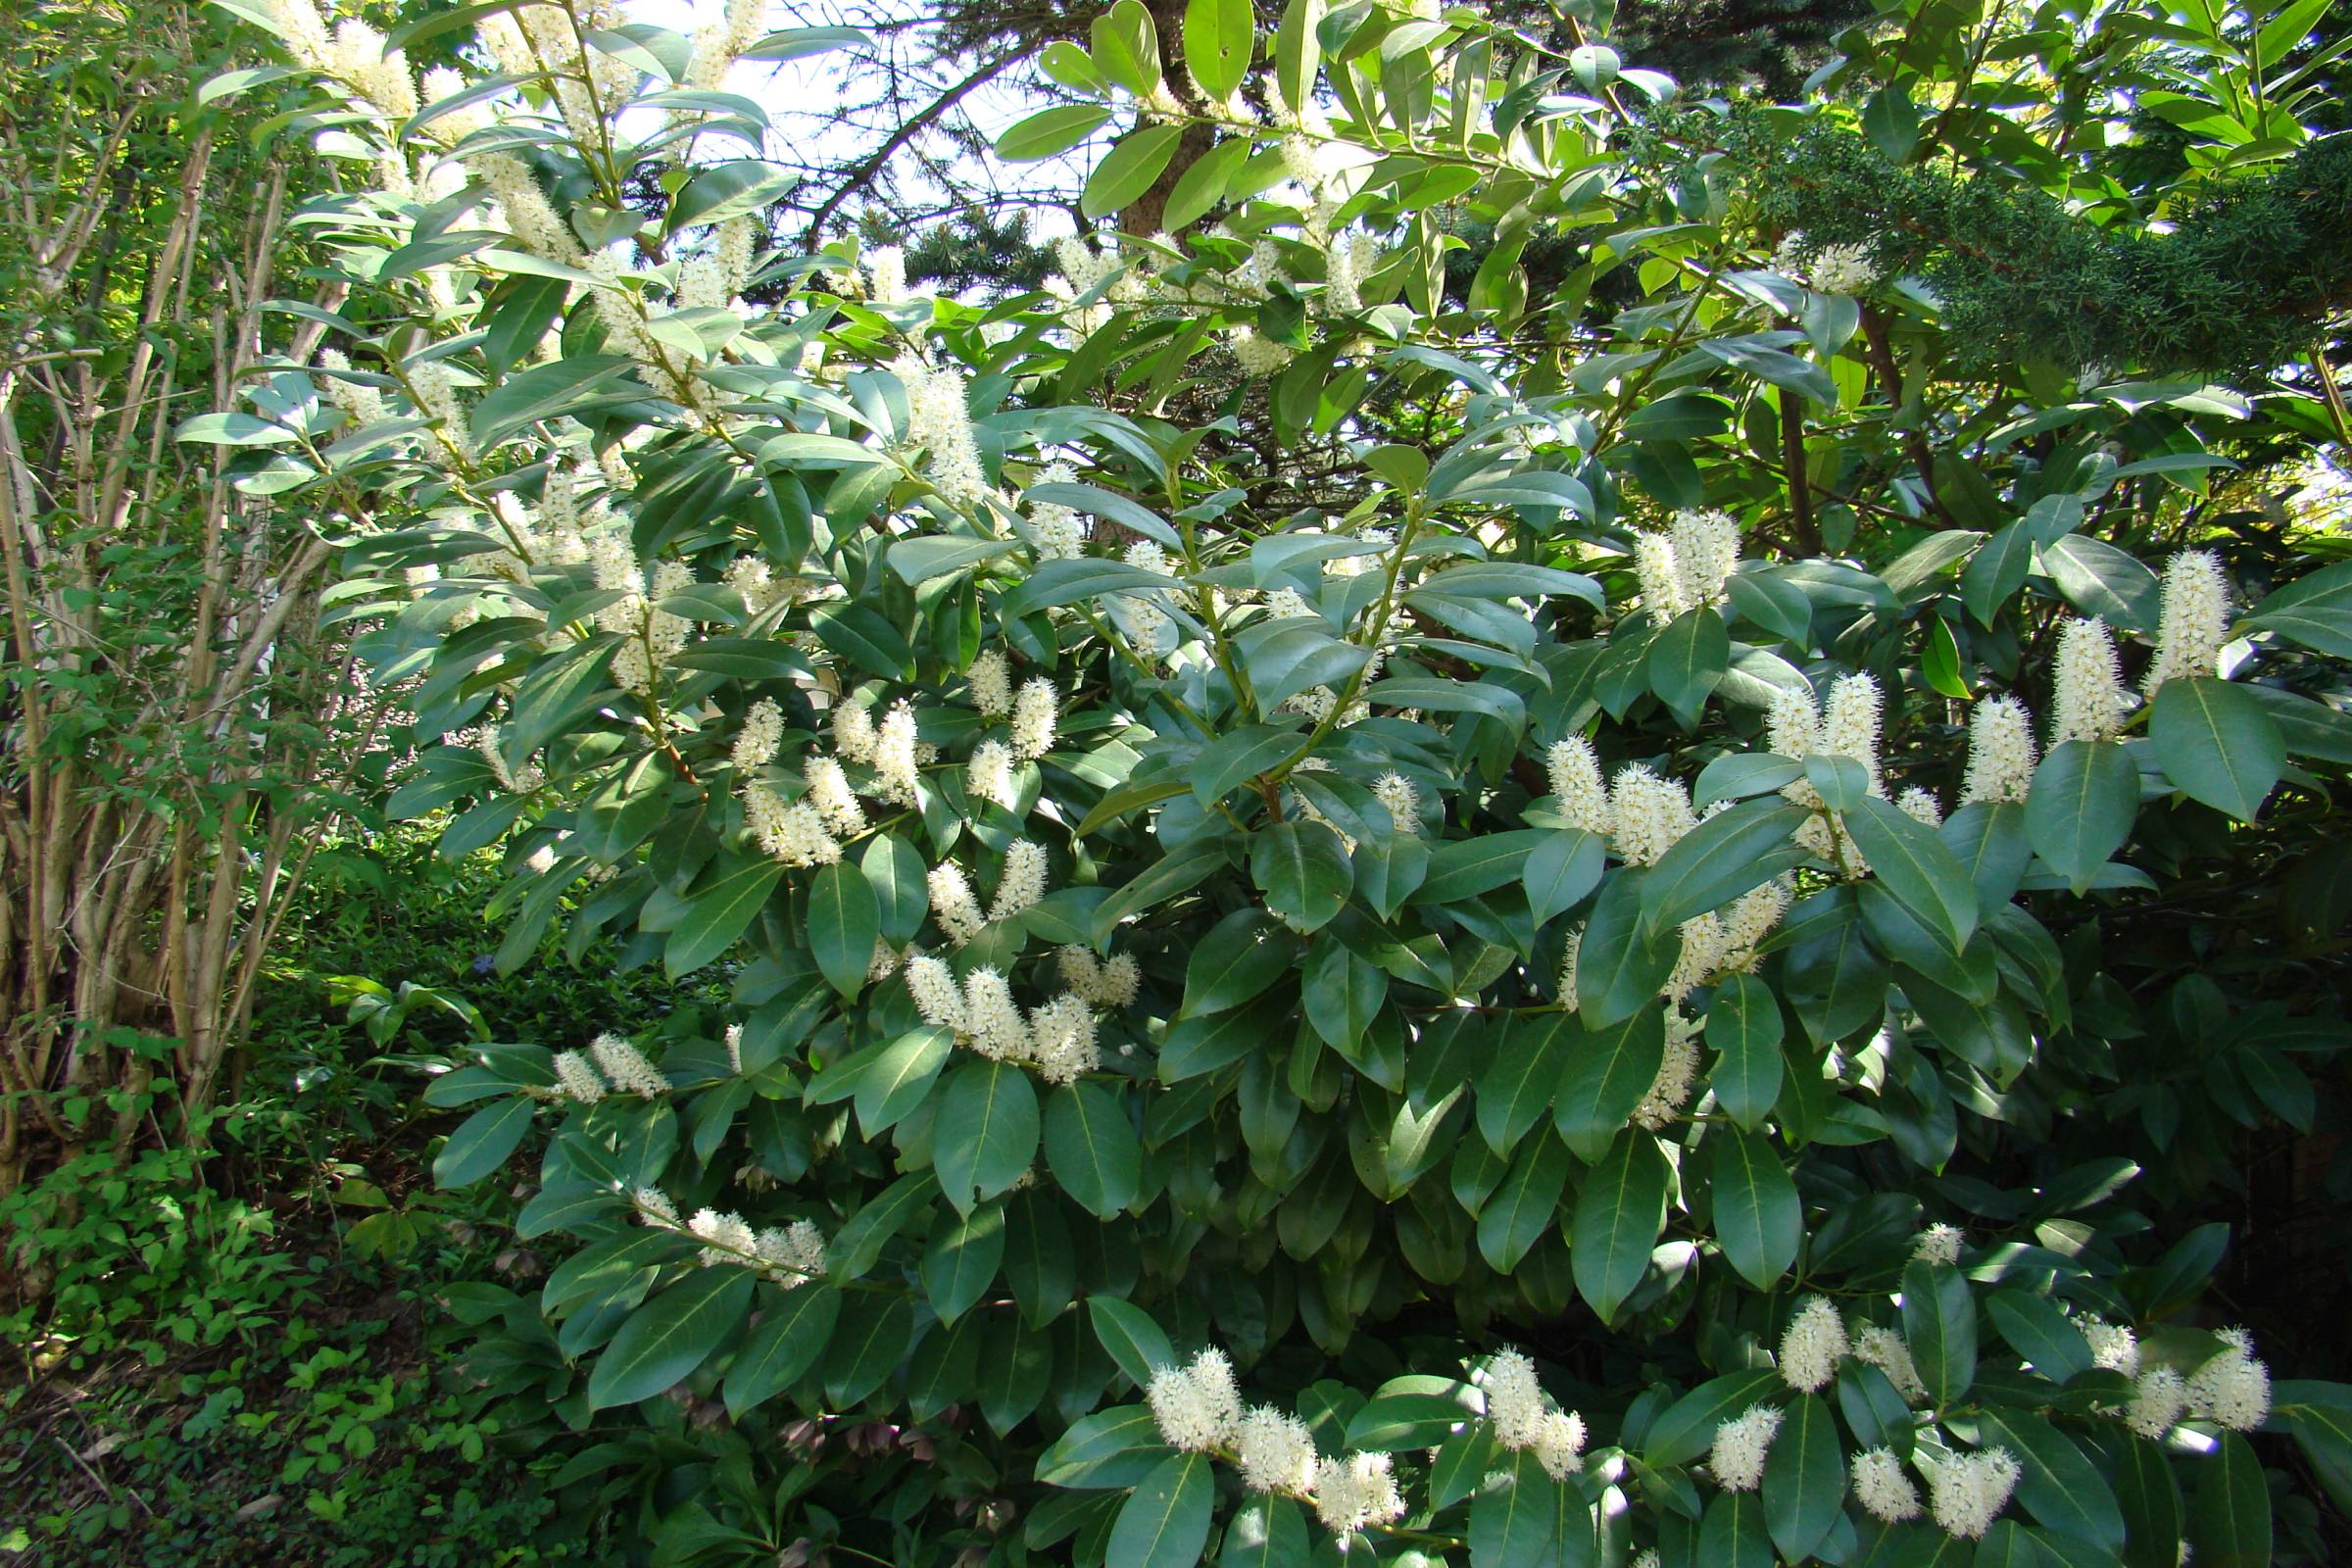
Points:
[1812,1346]
[1881,1487]
[2000,753]
[1967,1491]
[2233,1387]
[626,1065]
[2194,620]
[2089,685]
[1884,1349]
[1110,982]
[939,420]
[1525,1419]
[1057,1039]
[1685,567]
[1740,1446]
[1198,1407]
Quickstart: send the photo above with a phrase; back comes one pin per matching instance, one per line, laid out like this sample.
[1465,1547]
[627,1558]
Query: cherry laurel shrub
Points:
[1368,916]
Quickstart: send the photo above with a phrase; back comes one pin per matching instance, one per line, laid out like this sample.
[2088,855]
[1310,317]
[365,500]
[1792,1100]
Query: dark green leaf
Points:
[669,1336]
[2218,744]
[986,1133]
[1757,1219]
[1619,1212]
[1166,1523]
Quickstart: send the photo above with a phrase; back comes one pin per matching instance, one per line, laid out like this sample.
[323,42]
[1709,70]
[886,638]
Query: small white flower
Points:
[577,1080]
[1706,552]
[1970,1490]
[761,733]
[1276,1454]
[1034,712]
[1650,814]
[1921,807]
[2233,1387]
[2157,1401]
[1023,882]
[1575,784]
[626,1067]
[1850,723]
[2000,752]
[996,1029]
[1885,1350]
[791,831]
[1938,1243]
[1881,1487]
[897,757]
[1062,1030]
[1660,573]
[952,903]
[832,798]
[988,776]
[1678,1072]
[1196,1407]
[1812,1346]
[991,680]
[854,732]
[2194,621]
[1740,1446]
[2090,685]
[2113,1346]
[1355,1493]
[1396,792]
[937,995]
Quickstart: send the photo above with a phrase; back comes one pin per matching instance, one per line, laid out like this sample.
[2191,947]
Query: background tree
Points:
[174,712]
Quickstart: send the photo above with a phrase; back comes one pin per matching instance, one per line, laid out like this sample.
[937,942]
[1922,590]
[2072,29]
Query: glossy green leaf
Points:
[669,1336]
[482,1142]
[782,1347]
[986,1131]
[1619,1211]
[845,921]
[1092,1148]
[2085,798]
[960,1261]
[1745,1027]
[1804,1478]
[1128,170]
[1166,1523]
[2217,744]
[1939,1325]
[1757,1219]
